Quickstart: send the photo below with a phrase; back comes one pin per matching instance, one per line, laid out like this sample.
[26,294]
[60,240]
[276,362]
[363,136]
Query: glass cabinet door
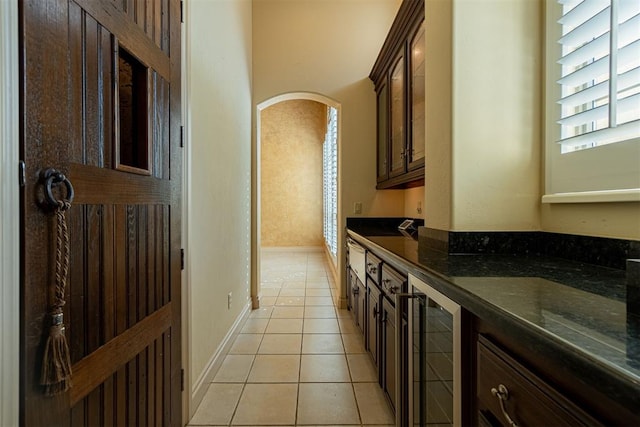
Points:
[434,358]
[417,73]
[397,117]
[383,133]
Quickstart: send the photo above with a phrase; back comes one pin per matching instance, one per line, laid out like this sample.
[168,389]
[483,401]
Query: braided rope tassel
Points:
[56,362]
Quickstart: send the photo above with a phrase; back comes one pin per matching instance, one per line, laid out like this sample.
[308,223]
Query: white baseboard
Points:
[201,385]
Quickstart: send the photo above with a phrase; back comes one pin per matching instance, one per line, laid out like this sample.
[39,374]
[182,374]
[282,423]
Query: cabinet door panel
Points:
[397,119]
[383,133]
[389,351]
[373,314]
[360,302]
[417,75]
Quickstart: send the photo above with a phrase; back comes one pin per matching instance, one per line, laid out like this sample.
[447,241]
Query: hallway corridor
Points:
[298,360]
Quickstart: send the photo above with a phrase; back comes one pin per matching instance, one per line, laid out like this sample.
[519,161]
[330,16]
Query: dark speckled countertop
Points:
[587,313]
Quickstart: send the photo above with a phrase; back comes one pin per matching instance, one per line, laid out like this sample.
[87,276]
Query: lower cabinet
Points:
[373,323]
[388,350]
[508,394]
[360,304]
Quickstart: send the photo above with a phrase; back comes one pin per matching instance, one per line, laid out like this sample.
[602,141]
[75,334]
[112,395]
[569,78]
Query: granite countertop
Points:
[582,311]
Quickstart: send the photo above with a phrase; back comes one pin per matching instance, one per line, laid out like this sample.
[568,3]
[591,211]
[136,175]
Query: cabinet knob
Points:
[502,393]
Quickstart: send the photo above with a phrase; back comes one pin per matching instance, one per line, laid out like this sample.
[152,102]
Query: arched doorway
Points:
[257,179]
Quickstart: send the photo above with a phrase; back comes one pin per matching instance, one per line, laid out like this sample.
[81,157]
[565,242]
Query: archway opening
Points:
[287,214]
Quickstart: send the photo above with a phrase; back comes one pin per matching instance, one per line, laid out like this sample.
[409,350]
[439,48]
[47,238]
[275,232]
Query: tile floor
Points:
[298,360]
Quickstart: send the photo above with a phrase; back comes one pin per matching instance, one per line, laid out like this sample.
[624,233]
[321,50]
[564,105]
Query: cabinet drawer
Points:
[373,267]
[392,282]
[507,389]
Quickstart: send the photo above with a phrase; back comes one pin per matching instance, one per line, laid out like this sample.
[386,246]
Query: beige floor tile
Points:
[284,326]
[218,405]
[319,312]
[362,368]
[267,301]
[292,292]
[270,292]
[327,403]
[294,276]
[267,404]
[374,408]
[348,327]
[289,301]
[322,344]
[287,313]
[353,343]
[318,292]
[318,301]
[246,344]
[234,369]
[318,284]
[271,285]
[316,275]
[261,313]
[255,326]
[300,284]
[280,344]
[275,368]
[324,368]
[321,326]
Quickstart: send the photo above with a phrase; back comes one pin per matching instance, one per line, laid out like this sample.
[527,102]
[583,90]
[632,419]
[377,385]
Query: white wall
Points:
[484,126]
[329,47]
[218,124]
[485,174]
[497,128]
[9,215]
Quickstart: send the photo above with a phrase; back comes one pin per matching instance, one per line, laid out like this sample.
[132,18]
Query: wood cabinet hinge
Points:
[181,136]
[181,379]
[22,173]
[181,259]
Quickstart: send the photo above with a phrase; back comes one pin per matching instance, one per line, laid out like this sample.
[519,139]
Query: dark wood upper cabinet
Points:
[398,76]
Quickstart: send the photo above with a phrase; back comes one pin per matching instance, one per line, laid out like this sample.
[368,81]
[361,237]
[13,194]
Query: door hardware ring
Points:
[54,178]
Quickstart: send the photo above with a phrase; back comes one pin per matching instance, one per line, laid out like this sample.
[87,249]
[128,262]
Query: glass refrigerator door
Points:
[435,361]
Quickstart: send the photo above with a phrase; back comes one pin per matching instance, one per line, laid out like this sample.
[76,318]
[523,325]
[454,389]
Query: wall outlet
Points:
[229,298]
[357,208]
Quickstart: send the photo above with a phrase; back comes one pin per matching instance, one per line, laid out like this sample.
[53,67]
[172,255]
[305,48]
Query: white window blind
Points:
[330,181]
[600,77]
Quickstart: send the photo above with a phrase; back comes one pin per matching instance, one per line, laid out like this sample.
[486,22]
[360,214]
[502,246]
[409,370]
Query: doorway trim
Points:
[9,215]
[257,177]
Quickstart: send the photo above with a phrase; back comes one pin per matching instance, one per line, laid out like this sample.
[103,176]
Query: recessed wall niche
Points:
[132,135]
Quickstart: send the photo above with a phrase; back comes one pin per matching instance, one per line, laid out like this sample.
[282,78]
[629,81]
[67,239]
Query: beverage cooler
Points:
[431,391]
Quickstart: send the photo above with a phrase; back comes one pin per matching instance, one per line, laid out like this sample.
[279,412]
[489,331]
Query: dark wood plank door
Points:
[100,101]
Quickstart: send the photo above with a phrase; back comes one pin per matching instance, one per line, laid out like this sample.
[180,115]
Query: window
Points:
[593,99]
[330,181]
[600,77]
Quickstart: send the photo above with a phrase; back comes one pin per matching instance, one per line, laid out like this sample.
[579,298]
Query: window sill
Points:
[606,196]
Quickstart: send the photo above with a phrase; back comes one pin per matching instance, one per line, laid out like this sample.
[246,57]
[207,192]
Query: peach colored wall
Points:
[292,133]
[414,202]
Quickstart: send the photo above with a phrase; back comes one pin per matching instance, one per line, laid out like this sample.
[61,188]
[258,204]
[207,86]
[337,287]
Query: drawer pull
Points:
[372,268]
[503,395]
